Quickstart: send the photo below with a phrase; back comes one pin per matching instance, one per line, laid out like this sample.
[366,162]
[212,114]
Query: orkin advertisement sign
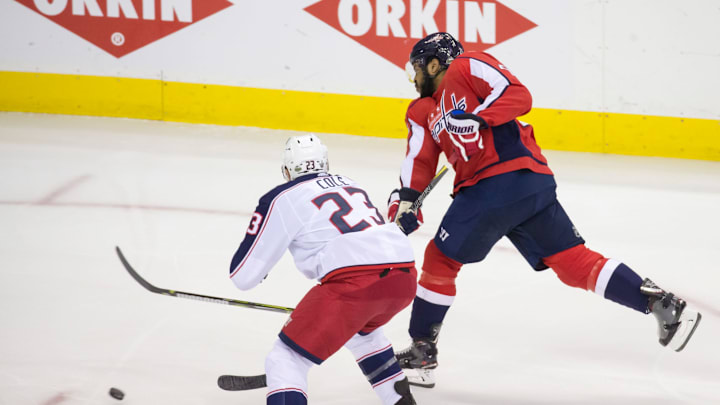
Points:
[391,27]
[123,26]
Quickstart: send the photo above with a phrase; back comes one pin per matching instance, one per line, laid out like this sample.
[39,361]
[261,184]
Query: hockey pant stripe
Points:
[604,276]
[375,357]
[433,297]
[287,397]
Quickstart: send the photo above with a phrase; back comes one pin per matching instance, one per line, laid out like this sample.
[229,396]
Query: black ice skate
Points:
[421,358]
[676,324]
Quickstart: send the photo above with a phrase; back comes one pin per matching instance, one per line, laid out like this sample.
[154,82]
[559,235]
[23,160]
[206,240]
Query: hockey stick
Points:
[242,383]
[197,297]
[429,188]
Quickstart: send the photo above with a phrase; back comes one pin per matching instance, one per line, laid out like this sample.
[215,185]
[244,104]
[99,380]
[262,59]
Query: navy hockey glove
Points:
[408,222]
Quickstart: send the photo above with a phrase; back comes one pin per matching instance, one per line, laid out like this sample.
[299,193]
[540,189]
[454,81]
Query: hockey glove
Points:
[464,129]
[399,204]
[408,222]
[461,118]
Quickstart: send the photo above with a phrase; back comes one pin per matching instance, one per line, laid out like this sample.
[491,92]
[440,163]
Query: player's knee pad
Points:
[439,271]
[577,267]
[286,370]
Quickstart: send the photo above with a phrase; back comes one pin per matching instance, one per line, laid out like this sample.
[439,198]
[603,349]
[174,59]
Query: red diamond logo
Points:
[390,30]
[123,26]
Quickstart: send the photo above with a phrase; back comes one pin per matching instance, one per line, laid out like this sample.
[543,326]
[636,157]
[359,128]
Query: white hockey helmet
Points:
[304,154]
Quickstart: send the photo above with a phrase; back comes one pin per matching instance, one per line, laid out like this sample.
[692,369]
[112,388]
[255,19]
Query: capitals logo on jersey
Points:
[464,134]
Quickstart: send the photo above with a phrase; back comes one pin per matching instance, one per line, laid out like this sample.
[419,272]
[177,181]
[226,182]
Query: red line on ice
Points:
[63,189]
[130,207]
[56,399]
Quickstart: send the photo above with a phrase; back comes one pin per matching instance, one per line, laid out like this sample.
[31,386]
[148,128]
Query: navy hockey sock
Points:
[424,315]
[619,283]
[286,398]
[380,367]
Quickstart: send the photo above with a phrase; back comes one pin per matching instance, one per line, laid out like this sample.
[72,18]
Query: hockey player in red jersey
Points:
[468,108]
[364,265]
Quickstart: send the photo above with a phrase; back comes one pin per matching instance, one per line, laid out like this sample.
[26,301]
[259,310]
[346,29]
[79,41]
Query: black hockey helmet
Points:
[440,45]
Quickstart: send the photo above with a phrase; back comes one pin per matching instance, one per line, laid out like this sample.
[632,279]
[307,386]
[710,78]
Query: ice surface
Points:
[177,199]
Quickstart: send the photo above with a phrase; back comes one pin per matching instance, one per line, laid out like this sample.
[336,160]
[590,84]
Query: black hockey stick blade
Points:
[241,383]
[429,188]
[198,297]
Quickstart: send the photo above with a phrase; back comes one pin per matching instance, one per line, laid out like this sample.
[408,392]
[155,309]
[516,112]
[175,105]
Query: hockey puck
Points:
[116,393]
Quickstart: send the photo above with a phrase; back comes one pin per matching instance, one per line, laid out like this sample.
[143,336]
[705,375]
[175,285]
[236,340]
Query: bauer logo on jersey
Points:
[438,120]
[122,26]
[463,133]
[390,28]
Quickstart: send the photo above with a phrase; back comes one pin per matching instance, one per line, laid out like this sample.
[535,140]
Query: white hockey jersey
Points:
[327,222]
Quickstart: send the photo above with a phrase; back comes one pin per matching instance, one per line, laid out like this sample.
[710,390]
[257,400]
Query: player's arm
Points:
[503,97]
[266,239]
[421,157]
[418,167]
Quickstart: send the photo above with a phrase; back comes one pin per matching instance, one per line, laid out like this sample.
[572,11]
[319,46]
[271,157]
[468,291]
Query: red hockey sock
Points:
[577,267]
[439,271]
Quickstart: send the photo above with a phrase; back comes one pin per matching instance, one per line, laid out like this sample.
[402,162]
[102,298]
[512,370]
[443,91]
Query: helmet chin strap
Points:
[286,173]
[428,86]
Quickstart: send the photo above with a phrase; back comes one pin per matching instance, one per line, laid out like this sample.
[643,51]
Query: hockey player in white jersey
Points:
[365,267]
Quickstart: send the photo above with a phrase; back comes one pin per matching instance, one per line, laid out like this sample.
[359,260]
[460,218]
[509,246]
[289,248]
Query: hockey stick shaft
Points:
[192,296]
[429,188]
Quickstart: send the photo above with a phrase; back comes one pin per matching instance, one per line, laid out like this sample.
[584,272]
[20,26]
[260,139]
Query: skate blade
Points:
[420,377]
[689,321]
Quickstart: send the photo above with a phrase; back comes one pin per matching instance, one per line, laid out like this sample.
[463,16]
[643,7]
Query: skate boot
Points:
[676,324]
[420,359]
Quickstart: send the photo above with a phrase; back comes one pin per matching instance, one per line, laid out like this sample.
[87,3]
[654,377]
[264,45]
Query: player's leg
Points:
[332,313]
[466,234]
[318,327]
[477,218]
[297,349]
[375,357]
[435,293]
[581,267]
[549,239]
[584,268]
[286,372]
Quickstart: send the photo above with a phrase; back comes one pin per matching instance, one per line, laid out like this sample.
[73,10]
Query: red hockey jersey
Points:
[475,82]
